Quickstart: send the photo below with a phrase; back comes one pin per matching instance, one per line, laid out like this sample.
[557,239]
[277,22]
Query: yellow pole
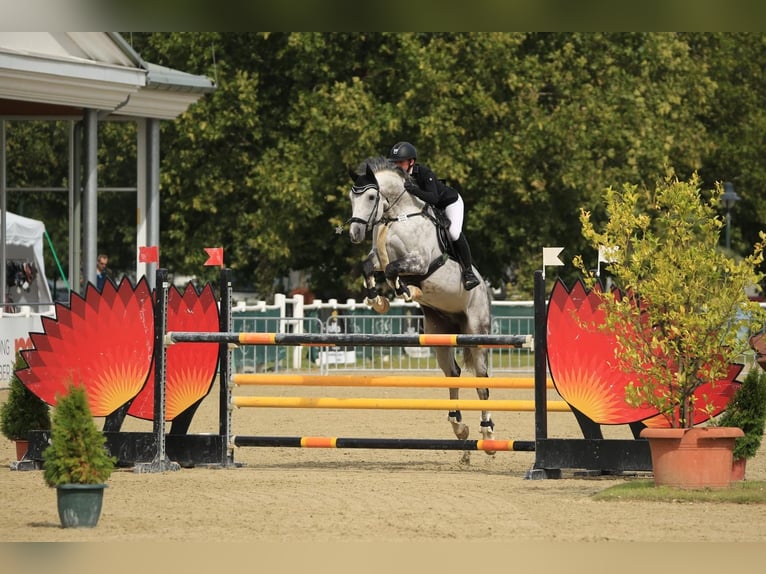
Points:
[394,404]
[401,381]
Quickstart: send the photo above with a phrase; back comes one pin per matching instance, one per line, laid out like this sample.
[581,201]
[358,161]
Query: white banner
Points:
[14,336]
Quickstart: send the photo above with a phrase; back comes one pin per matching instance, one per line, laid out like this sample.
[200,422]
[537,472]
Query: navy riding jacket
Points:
[430,189]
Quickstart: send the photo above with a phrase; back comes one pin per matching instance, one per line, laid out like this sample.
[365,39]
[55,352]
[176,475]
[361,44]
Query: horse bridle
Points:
[370,222]
[359,190]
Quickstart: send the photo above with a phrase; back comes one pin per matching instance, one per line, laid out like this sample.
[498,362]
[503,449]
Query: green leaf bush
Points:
[23,411]
[684,309]
[76,454]
[747,410]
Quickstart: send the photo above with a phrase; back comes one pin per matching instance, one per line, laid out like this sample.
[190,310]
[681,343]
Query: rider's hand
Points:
[411,186]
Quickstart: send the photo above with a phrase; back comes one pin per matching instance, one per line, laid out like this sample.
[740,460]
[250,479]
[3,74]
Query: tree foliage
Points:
[76,454]
[747,410]
[529,127]
[23,411]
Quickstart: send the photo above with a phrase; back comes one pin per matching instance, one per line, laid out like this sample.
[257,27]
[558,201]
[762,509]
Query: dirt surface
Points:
[368,496]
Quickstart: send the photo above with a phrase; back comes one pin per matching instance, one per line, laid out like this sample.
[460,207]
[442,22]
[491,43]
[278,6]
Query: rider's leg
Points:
[454,213]
[463,252]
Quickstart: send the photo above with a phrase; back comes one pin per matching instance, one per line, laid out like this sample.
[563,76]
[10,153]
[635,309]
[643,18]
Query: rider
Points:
[433,191]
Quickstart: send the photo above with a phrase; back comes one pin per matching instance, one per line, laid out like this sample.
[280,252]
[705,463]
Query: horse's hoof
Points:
[466,458]
[381,304]
[461,430]
[487,433]
[415,293]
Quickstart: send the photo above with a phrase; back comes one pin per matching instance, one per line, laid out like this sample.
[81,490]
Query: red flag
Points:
[150,254]
[215,256]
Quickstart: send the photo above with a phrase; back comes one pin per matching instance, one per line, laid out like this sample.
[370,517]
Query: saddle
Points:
[442,223]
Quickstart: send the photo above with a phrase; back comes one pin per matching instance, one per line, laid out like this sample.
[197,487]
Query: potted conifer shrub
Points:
[76,462]
[677,316]
[22,412]
[747,410]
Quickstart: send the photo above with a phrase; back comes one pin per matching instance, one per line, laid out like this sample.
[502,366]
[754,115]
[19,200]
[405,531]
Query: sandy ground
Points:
[326,496]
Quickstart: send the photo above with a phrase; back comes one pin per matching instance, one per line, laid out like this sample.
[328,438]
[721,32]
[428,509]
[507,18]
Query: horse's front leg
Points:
[412,264]
[372,297]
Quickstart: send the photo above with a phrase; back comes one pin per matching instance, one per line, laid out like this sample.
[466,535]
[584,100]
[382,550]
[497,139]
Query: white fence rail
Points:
[292,315]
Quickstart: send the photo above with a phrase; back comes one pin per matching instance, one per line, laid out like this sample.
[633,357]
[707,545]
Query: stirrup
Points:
[470,280]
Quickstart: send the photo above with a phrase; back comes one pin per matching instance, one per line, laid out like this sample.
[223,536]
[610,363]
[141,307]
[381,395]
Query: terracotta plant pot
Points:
[738,469]
[700,457]
[21,448]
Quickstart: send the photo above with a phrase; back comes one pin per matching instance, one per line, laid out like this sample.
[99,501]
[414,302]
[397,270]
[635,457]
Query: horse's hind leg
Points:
[445,357]
[487,427]
[455,418]
[477,358]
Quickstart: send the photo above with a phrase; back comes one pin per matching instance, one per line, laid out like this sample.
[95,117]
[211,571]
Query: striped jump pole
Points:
[384,443]
[396,381]
[395,404]
[227,338]
[351,339]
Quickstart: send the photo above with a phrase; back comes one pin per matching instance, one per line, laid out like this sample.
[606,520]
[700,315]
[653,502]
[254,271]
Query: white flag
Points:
[551,256]
[607,254]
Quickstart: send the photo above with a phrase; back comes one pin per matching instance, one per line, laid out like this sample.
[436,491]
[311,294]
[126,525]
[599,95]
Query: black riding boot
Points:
[463,253]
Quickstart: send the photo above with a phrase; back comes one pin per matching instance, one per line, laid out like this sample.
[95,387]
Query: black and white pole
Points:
[161,463]
[550,258]
[224,371]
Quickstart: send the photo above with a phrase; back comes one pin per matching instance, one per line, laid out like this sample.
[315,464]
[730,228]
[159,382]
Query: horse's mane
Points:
[376,164]
[380,163]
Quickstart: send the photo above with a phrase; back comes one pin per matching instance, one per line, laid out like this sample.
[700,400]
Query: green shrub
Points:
[76,454]
[23,411]
[747,410]
[670,338]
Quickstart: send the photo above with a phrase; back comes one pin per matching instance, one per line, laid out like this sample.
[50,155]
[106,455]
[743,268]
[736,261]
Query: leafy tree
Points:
[736,124]
[76,454]
[671,338]
[23,411]
[527,126]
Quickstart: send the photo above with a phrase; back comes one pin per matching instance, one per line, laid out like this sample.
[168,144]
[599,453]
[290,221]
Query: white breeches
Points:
[454,212]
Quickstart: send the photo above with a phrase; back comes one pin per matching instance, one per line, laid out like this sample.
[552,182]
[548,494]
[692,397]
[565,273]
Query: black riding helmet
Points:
[402,151]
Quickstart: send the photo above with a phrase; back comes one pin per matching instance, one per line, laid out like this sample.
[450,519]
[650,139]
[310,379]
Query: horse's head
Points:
[365,203]
[378,190]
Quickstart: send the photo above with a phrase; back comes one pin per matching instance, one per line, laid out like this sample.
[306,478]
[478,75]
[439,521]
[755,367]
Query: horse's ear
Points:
[352,174]
[371,174]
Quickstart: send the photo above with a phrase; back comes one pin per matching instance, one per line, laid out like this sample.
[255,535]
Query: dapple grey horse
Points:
[406,247]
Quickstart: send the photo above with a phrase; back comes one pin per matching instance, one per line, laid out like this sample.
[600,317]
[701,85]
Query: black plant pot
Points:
[79,504]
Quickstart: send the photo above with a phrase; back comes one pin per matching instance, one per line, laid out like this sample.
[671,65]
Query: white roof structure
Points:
[97,70]
[89,77]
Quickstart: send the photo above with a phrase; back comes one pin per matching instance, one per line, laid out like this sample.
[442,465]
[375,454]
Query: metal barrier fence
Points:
[290,316]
